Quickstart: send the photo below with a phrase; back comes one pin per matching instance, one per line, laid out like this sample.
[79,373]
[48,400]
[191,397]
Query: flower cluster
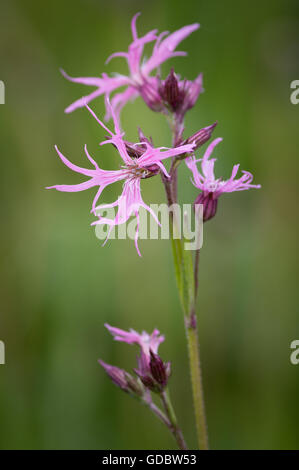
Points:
[142,159]
[138,82]
[173,97]
[152,373]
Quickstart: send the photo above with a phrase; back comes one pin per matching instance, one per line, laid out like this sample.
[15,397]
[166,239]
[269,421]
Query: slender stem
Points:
[160,415]
[172,418]
[188,304]
[188,287]
[196,380]
[168,418]
[196,266]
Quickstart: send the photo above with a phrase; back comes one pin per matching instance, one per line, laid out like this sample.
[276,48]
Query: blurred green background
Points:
[59,286]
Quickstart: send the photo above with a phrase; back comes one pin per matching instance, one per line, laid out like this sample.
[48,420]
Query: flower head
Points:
[213,187]
[139,80]
[151,370]
[132,171]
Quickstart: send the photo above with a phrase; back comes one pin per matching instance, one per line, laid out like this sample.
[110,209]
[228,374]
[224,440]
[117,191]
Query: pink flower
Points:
[212,187]
[146,342]
[131,172]
[138,80]
[151,370]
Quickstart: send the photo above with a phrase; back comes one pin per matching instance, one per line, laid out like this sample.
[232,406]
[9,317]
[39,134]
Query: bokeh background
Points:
[59,286]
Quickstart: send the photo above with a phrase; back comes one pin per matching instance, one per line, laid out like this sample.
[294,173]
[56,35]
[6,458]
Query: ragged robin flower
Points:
[151,370]
[139,81]
[212,187]
[132,171]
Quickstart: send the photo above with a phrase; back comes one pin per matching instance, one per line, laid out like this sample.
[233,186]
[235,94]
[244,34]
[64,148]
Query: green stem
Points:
[196,380]
[160,415]
[187,282]
[172,418]
[196,265]
[168,418]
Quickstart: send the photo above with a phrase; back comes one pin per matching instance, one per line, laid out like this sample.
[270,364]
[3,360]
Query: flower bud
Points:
[201,136]
[118,376]
[152,372]
[209,205]
[180,95]
[123,379]
[171,92]
[158,370]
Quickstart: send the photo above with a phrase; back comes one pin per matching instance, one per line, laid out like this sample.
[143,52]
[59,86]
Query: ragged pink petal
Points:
[129,204]
[120,100]
[211,187]
[146,341]
[98,177]
[105,85]
[166,47]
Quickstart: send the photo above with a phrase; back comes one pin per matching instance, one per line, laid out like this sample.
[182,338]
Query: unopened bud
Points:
[171,92]
[158,370]
[201,136]
[209,205]
[180,95]
[118,376]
